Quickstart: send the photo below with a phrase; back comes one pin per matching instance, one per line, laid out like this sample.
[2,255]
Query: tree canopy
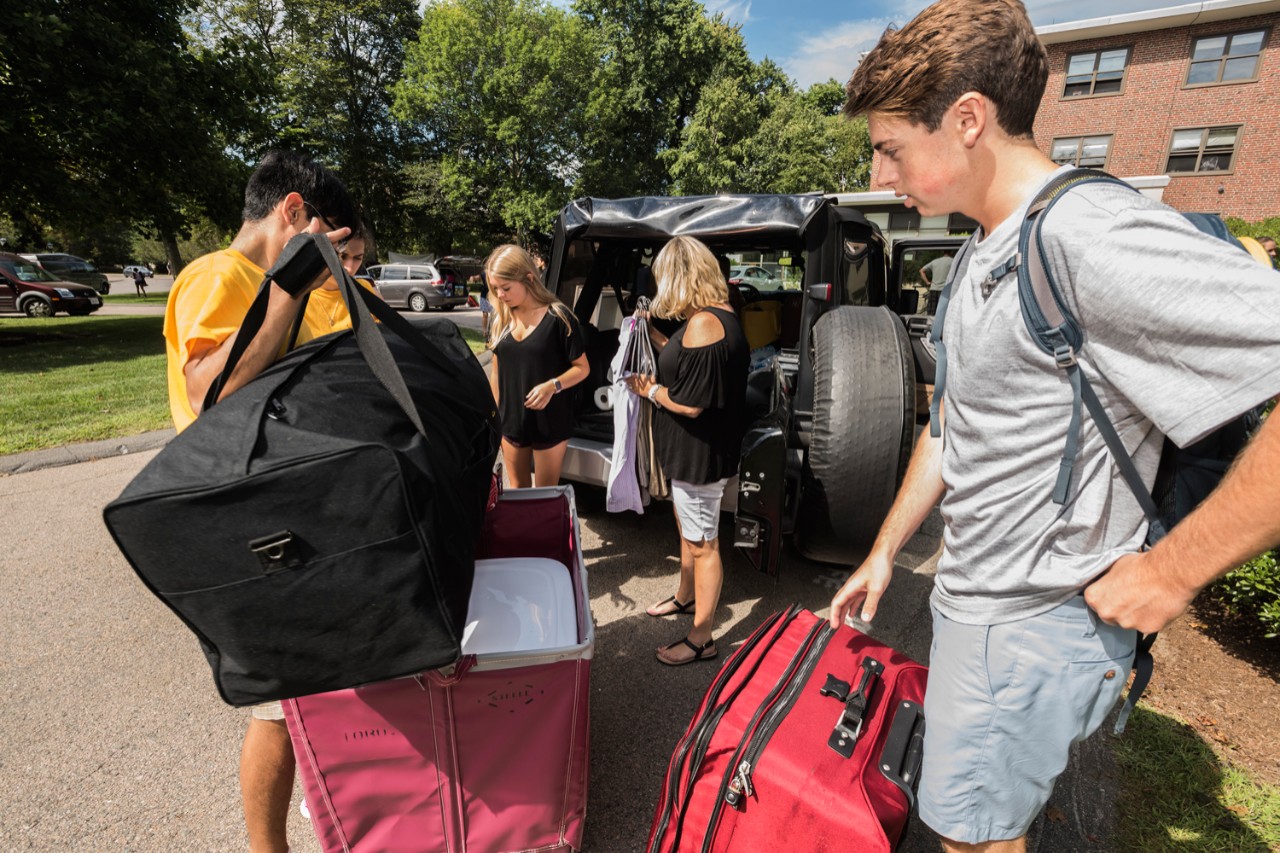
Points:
[455,125]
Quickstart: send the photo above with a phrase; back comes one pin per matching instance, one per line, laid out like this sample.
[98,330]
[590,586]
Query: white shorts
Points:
[698,509]
[271,711]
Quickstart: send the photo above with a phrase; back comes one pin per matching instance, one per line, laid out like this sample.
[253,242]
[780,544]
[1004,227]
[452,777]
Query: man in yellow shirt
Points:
[288,194]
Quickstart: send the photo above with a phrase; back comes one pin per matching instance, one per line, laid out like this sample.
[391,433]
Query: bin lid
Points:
[520,604]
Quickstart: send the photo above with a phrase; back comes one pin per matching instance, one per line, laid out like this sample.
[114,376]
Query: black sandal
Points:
[699,652]
[687,607]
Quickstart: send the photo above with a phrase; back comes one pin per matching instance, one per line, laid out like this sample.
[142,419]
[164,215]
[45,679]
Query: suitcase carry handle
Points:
[904,750]
[363,306]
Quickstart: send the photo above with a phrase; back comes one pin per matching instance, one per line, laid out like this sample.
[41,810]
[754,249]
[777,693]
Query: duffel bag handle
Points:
[363,306]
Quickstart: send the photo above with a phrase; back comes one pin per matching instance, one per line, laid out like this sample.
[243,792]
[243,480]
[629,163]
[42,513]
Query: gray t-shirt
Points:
[1181,334]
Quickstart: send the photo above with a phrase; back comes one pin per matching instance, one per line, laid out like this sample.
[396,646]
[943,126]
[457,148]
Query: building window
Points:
[1203,149]
[958,223]
[1087,151]
[1098,73]
[1226,59]
[904,220]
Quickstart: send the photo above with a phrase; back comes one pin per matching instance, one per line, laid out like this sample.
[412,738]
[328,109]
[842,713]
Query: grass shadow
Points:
[38,346]
[1177,796]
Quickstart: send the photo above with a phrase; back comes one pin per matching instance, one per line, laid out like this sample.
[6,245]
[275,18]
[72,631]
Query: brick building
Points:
[1191,91]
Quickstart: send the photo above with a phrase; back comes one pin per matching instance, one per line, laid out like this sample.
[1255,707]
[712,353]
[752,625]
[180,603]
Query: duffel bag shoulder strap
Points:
[363,306]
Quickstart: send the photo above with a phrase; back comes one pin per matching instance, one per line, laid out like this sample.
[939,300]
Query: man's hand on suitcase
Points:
[865,587]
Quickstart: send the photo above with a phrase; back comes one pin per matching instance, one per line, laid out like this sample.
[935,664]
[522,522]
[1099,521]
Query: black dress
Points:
[544,354]
[714,378]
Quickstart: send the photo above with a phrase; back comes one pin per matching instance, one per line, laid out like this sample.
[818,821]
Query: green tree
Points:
[656,57]
[493,86]
[827,98]
[110,114]
[327,72]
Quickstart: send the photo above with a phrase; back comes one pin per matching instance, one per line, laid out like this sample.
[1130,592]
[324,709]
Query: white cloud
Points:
[737,11]
[833,52]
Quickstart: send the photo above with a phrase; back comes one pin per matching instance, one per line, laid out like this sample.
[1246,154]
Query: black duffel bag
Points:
[317,528]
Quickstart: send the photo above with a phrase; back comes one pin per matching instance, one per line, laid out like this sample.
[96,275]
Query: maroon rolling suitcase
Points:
[808,739]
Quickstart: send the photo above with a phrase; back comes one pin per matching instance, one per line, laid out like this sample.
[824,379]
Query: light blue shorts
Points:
[1004,705]
[698,509]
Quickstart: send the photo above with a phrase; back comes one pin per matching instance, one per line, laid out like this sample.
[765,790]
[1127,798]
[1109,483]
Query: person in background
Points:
[538,354]
[139,282]
[700,392]
[1269,246]
[486,307]
[326,310]
[288,194]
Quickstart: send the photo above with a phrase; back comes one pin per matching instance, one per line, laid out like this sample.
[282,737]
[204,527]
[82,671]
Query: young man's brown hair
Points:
[953,47]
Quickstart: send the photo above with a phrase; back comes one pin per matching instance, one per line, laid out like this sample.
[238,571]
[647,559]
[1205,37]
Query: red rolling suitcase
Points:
[808,739]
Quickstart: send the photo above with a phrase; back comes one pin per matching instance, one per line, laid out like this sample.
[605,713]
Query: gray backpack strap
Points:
[1056,332]
[935,335]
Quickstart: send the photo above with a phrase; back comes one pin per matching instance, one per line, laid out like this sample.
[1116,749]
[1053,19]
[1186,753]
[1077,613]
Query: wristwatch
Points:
[559,387]
[653,393]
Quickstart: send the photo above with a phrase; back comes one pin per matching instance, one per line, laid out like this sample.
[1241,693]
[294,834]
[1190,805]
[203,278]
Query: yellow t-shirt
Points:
[326,312]
[207,304]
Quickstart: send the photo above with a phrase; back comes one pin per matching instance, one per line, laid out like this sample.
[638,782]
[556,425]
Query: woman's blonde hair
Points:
[688,278]
[512,263]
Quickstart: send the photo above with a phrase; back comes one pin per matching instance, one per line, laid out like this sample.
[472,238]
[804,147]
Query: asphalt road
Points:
[114,738]
[158,289]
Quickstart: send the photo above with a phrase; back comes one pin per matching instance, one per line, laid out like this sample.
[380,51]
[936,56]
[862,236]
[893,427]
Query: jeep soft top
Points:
[832,403]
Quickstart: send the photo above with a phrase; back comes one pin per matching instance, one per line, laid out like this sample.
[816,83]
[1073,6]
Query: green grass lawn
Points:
[132,298]
[80,379]
[66,380]
[1177,795]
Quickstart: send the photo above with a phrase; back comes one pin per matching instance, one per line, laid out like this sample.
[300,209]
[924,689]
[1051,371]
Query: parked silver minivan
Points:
[418,287]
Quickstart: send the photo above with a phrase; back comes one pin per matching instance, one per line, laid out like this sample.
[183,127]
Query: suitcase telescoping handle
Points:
[299,265]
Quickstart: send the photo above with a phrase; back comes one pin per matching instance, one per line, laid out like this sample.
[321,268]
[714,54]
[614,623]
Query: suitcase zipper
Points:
[700,731]
[765,722]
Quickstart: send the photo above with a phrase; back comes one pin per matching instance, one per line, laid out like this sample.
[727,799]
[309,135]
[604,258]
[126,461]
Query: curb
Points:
[70,454]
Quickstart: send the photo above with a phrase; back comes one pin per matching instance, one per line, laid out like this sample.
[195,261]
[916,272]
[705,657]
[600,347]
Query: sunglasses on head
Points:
[316,212]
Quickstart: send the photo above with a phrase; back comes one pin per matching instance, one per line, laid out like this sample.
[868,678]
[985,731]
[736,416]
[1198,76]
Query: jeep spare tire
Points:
[863,429]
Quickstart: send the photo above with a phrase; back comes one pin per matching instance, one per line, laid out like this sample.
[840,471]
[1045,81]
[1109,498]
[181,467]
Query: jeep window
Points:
[913,261]
[767,272]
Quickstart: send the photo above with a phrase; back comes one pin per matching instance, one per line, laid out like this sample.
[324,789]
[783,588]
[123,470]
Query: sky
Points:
[814,40]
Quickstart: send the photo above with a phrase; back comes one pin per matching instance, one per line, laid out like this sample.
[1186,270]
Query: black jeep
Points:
[832,400]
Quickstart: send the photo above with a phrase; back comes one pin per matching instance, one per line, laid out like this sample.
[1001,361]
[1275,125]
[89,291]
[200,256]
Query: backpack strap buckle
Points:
[1064,355]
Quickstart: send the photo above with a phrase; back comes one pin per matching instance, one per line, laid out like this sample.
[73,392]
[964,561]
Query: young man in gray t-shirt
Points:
[1036,605]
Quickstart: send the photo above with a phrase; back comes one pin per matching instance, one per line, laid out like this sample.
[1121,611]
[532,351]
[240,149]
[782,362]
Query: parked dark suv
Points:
[26,287]
[70,268]
[832,400]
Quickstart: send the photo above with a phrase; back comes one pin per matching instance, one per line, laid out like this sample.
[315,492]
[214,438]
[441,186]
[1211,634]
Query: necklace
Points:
[333,313]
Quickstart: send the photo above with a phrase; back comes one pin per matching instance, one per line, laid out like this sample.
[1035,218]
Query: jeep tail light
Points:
[821,292]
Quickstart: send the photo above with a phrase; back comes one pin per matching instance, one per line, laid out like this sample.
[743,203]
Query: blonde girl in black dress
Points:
[538,354]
